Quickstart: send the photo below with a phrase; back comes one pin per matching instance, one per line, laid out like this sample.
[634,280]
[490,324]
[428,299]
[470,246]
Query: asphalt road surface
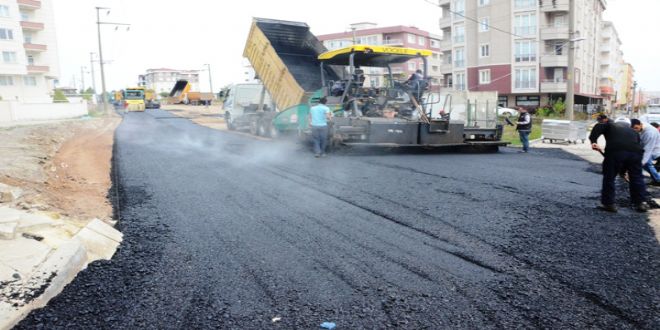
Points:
[226,231]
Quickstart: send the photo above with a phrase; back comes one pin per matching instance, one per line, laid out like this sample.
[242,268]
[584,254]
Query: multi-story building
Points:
[163,80]
[626,92]
[29,63]
[611,65]
[519,49]
[399,36]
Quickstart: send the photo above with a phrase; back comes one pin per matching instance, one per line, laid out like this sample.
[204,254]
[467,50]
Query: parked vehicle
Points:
[250,107]
[506,112]
[134,99]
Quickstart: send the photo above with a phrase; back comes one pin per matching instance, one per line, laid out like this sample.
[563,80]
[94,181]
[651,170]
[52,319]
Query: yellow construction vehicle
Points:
[134,99]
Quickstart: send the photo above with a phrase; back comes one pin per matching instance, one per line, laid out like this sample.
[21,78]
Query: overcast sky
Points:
[188,34]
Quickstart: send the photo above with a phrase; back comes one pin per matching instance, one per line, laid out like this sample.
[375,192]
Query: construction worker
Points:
[319,115]
[623,152]
[650,138]
[524,128]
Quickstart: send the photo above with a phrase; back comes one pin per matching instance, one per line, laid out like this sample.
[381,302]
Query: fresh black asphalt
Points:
[222,230]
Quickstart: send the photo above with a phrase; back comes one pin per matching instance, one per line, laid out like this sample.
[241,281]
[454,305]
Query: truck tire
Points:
[263,129]
[229,121]
[273,132]
[254,127]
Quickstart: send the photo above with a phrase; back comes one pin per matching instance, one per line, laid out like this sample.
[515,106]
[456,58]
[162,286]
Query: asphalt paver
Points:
[225,231]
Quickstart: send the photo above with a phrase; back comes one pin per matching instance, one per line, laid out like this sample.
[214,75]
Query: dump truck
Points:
[247,107]
[297,71]
[181,94]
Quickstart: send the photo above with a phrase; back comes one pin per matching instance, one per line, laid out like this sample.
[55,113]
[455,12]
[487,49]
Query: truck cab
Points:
[134,99]
[249,107]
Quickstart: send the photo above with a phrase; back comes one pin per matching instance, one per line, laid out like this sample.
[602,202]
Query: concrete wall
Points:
[11,111]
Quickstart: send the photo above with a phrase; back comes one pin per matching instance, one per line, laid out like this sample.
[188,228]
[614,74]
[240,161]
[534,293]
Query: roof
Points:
[372,55]
[375,30]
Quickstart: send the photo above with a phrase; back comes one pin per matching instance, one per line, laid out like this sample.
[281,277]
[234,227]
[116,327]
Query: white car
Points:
[622,120]
[650,118]
[506,112]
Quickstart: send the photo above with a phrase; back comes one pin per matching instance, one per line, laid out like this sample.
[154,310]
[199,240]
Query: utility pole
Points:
[634,86]
[91,65]
[104,98]
[210,81]
[570,75]
[82,79]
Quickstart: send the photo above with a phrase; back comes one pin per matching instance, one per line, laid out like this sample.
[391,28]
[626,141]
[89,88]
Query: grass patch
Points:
[511,135]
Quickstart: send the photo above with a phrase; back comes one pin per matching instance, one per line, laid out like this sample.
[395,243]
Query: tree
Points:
[164,94]
[59,97]
[559,107]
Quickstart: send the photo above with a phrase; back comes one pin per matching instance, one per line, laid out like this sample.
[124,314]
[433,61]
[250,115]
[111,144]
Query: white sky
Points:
[187,34]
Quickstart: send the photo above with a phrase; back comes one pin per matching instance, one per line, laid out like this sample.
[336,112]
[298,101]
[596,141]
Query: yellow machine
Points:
[134,99]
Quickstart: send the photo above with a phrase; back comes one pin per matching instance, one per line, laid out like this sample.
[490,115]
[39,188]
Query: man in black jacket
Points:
[623,152]
[524,128]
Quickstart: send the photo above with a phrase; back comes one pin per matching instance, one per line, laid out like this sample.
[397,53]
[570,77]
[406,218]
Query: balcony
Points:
[445,44]
[35,47]
[605,48]
[549,6]
[29,4]
[34,26]
[38,68]
[553,86]
[554,32]
[444,22]
[446,68]
[551,60]
[393,42]
[444,3]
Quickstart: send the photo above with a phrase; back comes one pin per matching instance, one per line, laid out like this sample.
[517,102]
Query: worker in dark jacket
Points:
[623,152]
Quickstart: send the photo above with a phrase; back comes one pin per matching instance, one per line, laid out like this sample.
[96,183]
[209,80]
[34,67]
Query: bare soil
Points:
[62,167]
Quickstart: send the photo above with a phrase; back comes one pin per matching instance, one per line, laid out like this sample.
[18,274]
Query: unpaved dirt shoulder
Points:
[62,167]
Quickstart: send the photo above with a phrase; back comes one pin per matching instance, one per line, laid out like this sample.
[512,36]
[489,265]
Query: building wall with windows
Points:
[28,50]
[396,36]
[163,80]
[519,48]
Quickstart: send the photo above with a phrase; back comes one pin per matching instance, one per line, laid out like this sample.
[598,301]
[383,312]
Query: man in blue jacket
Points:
[319,116]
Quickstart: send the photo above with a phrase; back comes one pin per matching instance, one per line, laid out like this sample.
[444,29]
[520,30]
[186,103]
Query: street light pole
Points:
[98,24]
[634,86]
[570,79]
[82,79]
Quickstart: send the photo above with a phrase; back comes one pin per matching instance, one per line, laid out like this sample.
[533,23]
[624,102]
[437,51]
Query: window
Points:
[521,4]
[27,37]
[483,24]
[484,77]
[30,81]
[4,11]
[6,34]
[459,33]
[459,57]
[560,20]
[484,50]
[412,66]
[459,9]
[502,101]
[30,60]
[421,41]
[25,17]
[6,81]
[525,51]
[412,38]
[528,100]
[435,68]
[459,81]
[525,78]
[484,3]
[435,43]
[9,57]
[435,56]
[525,24]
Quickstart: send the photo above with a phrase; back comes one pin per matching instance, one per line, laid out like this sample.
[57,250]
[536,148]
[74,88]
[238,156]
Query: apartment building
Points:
[29,64]
[163,80]
[611,66]
[397,36]
[519,49]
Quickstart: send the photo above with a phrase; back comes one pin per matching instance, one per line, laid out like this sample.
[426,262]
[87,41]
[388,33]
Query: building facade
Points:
[29,65]
[398,36]
[611,66]
[519,48]
[162,80]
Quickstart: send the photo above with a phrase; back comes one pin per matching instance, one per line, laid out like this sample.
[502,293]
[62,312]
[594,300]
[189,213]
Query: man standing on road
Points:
[622,152]
[651,142]
[319,115]
[524,127]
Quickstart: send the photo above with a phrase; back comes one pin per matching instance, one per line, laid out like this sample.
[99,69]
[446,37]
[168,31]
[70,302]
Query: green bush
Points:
[59,97]
[559,107]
